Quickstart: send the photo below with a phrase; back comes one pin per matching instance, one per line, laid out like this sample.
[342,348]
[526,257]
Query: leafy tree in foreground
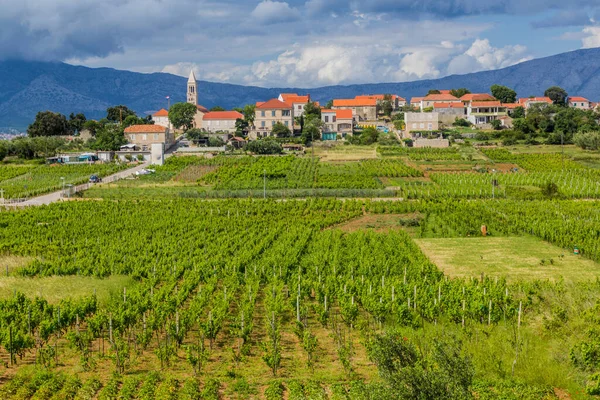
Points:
[182,115]
[519,112]
[280,130]
[369,136]
[264,147]
[109,138]
[557,94]
[77,122]
[118,114]
[504,94]
[48,123]
[434,91]
[459,92]
[249,112]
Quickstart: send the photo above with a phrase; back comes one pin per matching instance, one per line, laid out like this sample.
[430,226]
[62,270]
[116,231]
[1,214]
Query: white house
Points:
[162,118]
[221,121]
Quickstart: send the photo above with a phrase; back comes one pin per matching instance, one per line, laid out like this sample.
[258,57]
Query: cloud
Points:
[591,37]
[274,12]
[564,18]
[481,56]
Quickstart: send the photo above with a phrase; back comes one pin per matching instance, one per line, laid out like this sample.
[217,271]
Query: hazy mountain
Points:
[28,87]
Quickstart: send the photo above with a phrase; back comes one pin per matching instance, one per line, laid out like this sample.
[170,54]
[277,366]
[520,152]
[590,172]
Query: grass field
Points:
[340,152]
[516,258]
[56,288]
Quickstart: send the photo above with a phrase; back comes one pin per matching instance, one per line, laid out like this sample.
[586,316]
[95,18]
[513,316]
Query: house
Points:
[580,103]
[506,122]
[298,103]
[415,102]
[470,97]
[267,114]
[510,107]
[530,101]
[161,118]
[421,121]
[144,136]
[192,98]
[221,121]
[396,101]
[337,123]
[429,100]
[362,109]
[484,112]
[237,142]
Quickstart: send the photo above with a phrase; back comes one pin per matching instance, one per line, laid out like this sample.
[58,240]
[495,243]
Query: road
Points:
[57,196]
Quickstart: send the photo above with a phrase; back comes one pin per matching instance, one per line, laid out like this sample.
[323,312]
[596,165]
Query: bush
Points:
[264,147]
[215,141]
[496,124]
[550,189]
[140,157]
[585,140]
[461,122]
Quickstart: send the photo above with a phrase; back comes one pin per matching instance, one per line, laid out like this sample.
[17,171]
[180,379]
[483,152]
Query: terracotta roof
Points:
[415,100]
[401,98]
[376,97]
[317,104]
[292,98]
[512,106]
[161,113]
[440,97]
[478,97]
[486,104]
[273,104]
[145,129]
[343,114]
[535,100]
[221,115]
[448,105]
[202,109]
[445,91]
[355,103]
[259,103]
[580,99]
[327,111]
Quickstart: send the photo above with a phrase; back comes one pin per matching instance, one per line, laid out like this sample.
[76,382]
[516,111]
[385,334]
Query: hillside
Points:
[28,87]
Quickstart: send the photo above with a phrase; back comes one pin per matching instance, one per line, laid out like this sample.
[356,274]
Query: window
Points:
[334,119]
[262,113]
[262,124]
[414,125]
[144,137]
[422,125]
[156,136]
[327,118]
[273,113]
[299,107]
[273,122]
[430,127]
[286,113]
[286,123]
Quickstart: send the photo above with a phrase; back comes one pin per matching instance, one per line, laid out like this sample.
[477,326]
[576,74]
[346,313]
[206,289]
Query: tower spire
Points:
[192,89]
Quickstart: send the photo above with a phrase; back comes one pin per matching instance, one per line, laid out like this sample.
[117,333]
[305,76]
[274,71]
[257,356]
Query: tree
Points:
[387,107]
[3,150]
[215,141]
[434,91]
[109,138]
[459,92]
[523,126]
[496,124]
[504,94]
[118,114]
[329,105]
[557,94]
[369,136]
[264,147]
[134,120]
[77,122]
[519,112]
[587,141]
[280,130]
[311,109]
[241,127]
[249,112]
[217,108]
[92,126]
[182,115]
[194,134]
[461,122]
[48,123]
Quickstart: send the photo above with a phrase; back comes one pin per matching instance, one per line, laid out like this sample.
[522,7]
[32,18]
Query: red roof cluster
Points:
[161,113]
[202,109]
[355,103]
[343,114]
[292,98]
[526,100]
[440,97]
[273,104]
[478,97]
[478,104]
[579,99]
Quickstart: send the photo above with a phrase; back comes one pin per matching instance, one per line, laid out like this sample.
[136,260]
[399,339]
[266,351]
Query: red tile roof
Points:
[478,97]
[327,111]
[161,113]
[273,104]
[512,105]
[440,97]
[343,114]
[445,91]
[535,100]
[292,98]
[202,109]
[416,100]
[448,105]
[579,99]
[145,129]
[355,103]
[222,115]
[486,104]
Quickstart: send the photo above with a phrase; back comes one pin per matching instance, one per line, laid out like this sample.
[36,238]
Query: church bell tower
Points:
[192,89]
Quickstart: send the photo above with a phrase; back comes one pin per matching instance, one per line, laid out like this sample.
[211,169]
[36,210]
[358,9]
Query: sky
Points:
[297,43]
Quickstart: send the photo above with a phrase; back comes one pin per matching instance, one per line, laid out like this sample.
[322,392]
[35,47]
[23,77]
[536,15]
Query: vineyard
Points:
[267,299]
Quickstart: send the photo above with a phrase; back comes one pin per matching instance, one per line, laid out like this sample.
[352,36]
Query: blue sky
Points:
[303,43]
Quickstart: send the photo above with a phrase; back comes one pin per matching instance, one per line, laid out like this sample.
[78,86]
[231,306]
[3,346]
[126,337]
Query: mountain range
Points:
[27,87]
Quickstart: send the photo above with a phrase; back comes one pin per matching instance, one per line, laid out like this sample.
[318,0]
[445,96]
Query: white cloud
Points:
[274,12]
[483,56]
[590,37]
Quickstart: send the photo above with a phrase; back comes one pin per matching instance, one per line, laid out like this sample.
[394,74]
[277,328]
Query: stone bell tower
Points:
[192,89]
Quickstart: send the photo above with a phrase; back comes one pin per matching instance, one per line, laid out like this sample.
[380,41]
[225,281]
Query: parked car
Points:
[95,179]
[184,144]
[145,172]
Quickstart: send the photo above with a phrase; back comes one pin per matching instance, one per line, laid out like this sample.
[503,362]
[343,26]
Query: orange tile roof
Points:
[355,103]
[440,97]
[448,105]
[273,104]
[259,103]
[477,97]
[415,100]
[486,104]
[580,99]
[343,114]
[145,129]
[535,100]
[292,98]
[327,111]
[221,115]
[511,105]
[202,109]
[161,113]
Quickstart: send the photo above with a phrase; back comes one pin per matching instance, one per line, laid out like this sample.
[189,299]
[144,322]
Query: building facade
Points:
[267,114]
[484,112]
[337,124]
[362,109]
[580,103]
[162,118]
[421,122]
[221,121]
[192,98]
[144,136]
